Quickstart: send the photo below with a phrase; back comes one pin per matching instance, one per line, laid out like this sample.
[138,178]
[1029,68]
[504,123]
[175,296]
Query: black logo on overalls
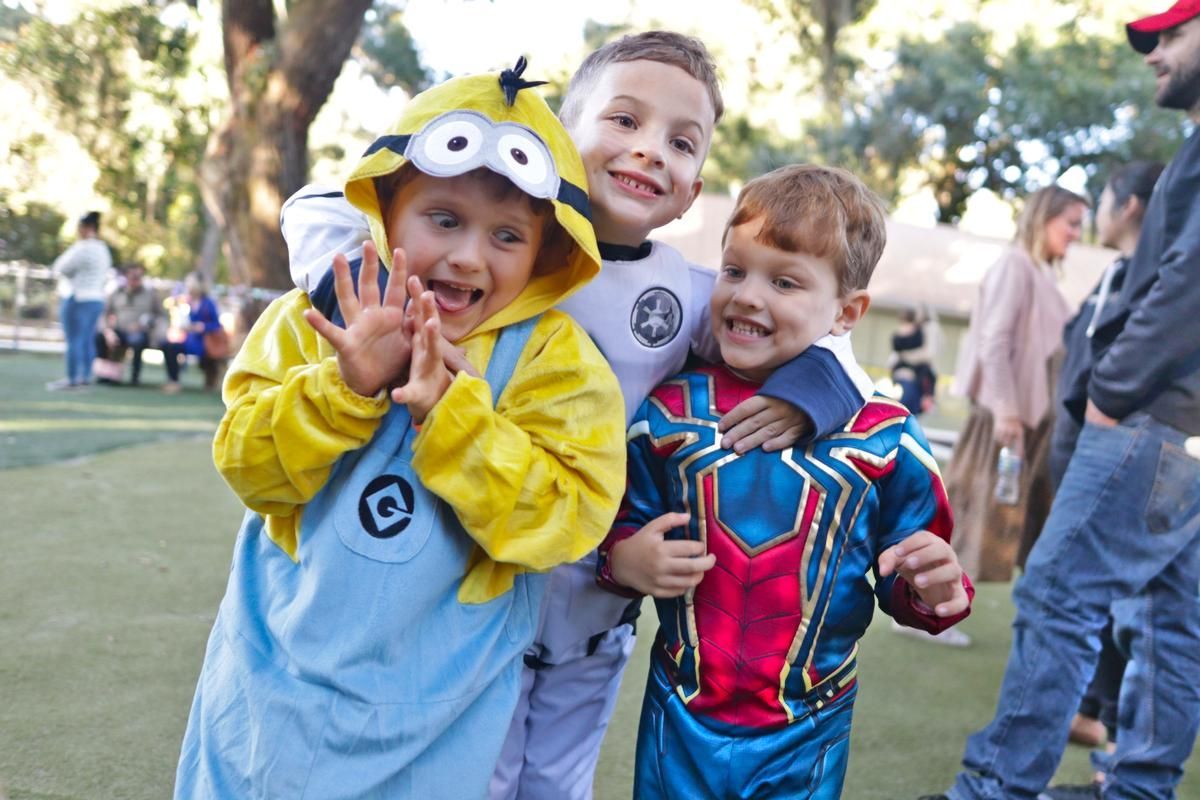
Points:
[657,317]
[386,506]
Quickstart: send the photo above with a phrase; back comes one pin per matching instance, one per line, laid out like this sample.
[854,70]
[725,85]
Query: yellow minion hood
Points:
[488,121]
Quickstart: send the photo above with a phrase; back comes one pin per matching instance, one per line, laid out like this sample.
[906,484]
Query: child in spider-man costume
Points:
[759,561]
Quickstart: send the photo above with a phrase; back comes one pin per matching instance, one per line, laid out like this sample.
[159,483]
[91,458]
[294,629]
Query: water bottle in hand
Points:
[1008,477]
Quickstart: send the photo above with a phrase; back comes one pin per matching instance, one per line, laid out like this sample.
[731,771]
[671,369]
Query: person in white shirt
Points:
[84,267]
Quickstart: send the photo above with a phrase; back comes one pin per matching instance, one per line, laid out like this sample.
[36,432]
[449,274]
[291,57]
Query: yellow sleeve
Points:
[536,482]
[288,418]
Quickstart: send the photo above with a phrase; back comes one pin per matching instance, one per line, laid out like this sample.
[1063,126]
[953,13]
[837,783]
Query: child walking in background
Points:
[759,561]
[403,510]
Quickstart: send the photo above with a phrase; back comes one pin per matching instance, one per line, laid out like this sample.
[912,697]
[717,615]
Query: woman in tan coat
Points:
[1005,368]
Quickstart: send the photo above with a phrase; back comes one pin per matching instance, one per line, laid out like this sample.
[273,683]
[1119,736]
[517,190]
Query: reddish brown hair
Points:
[822,211]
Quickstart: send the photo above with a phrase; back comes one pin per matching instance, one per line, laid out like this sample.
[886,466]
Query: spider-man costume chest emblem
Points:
[783,526]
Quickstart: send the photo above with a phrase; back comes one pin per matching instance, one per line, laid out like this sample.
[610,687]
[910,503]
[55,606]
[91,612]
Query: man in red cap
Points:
[1124,532]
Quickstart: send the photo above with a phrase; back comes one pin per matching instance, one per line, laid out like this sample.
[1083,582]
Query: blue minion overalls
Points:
[355,672]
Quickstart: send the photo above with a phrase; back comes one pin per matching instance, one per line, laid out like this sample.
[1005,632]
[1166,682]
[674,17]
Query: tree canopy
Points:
[191,119]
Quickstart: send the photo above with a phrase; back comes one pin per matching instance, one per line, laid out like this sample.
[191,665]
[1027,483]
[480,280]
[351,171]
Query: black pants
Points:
[136,341]
[173,352]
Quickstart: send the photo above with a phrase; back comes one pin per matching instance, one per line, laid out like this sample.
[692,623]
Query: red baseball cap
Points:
[1143,33]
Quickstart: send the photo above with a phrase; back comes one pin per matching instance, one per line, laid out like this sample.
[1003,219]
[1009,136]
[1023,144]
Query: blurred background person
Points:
[203,319]
[130,321]
[1119,216]
[914,347]
[83,267]
[1007,370]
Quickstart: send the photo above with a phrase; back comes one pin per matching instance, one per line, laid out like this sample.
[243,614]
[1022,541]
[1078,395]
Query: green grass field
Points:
[116,541]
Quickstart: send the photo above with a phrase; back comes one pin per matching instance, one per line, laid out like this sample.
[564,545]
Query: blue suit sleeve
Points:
[911,499]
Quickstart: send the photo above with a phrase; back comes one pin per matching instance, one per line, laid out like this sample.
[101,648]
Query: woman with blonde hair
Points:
[1007,368]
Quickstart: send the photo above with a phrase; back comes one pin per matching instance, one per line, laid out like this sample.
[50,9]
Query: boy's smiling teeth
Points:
[635,183]
[746,328]
[454,297]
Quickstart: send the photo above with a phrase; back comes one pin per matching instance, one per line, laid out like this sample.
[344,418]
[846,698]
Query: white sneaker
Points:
[951,637]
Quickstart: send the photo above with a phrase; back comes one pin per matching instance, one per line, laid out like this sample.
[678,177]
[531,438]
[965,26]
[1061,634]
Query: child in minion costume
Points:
[387,577]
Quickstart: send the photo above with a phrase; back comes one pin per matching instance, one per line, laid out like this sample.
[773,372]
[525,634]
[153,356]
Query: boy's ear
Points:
[1133,209]
[697,185]
[854,305]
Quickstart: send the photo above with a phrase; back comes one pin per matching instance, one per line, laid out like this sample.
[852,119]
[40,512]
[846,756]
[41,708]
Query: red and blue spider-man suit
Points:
[752,677]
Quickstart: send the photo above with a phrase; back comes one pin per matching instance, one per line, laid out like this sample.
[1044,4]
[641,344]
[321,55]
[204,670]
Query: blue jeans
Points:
[1125,526]
[79,327]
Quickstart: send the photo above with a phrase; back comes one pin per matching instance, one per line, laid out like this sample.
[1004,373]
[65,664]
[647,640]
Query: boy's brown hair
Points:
[666,47]
[823,211]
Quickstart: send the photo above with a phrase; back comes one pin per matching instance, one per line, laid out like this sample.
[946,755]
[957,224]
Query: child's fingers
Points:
[368,277]
[414,287]
[431,334]
[679,560]
[395,294]
[455,360]
[942,573]
[751,432]
[915,560]
[324,327]
[785,440]
[431,309]
[688,565]
[955,605]
[888,561]
[343,287]
[742,411]
[669,521]
[675,585]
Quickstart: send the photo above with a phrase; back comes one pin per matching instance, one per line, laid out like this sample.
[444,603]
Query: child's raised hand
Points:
[374,348]
[428,376]
[768,421]
[657,566]
[929,564]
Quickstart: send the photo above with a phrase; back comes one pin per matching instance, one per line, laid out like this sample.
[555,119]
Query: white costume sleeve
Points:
[318,223]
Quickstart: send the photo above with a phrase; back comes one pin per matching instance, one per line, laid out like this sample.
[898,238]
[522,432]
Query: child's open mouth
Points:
[454,297]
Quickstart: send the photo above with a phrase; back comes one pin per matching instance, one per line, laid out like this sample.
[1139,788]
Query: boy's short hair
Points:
[556,242]
[666,47]
[824,211]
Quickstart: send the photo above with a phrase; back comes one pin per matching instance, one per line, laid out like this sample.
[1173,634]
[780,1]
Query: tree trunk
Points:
[280,71]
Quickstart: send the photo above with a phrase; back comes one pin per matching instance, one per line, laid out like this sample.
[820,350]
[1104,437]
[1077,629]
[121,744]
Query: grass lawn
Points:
[114,564]
[41,427]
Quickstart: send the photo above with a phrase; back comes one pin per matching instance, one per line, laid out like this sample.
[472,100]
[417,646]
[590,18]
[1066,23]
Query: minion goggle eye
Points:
[460,141]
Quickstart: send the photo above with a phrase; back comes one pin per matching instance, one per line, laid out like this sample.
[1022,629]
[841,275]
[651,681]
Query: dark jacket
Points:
[1077,370]
[1146,347]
